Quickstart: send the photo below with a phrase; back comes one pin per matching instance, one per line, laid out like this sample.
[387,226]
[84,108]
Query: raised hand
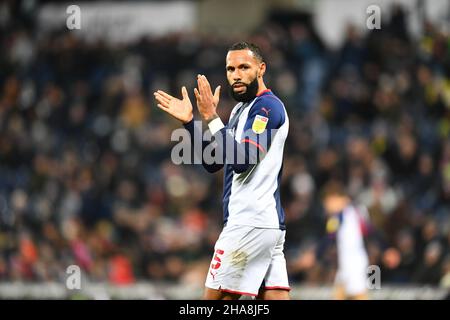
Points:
[179,109]
[206,101]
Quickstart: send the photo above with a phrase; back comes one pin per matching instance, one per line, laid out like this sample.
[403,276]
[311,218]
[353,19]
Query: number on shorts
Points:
[217,259]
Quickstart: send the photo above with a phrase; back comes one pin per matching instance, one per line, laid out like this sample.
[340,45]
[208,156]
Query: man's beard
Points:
[249,94]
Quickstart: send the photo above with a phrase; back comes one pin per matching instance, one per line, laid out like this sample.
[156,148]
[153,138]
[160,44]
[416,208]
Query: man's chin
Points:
[240,96]
[240,91]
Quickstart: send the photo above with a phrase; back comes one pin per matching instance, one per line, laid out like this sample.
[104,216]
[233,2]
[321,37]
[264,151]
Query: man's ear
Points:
[262,69]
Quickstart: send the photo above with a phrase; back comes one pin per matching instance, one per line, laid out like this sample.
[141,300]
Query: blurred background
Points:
[85,171]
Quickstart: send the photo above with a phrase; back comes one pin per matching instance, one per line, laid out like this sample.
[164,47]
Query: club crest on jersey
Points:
[259,124]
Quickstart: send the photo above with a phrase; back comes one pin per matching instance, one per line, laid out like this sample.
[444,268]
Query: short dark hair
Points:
[334,188]
[242,45]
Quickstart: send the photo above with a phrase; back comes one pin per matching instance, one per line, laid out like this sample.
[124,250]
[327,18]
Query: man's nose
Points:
[237,75]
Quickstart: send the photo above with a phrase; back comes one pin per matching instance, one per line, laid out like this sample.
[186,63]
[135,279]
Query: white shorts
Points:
[352,279]
[246,258]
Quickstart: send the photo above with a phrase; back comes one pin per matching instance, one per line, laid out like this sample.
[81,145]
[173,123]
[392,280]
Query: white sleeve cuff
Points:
[215,125]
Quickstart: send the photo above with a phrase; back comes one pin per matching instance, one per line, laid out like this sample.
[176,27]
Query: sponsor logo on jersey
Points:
[259,124]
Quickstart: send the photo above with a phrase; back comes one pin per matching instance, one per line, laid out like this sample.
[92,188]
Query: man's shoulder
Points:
[269,97]
[269,101]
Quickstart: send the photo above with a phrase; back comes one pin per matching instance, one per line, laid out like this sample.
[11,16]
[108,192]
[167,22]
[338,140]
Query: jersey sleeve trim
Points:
[215,125]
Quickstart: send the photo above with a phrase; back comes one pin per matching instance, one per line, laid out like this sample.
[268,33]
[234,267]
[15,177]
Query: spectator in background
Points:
[429,271]
[347,224]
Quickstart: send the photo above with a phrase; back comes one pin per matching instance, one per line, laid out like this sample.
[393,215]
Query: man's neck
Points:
[261,88]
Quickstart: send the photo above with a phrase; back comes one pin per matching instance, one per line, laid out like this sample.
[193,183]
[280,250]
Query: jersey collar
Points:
[263,92]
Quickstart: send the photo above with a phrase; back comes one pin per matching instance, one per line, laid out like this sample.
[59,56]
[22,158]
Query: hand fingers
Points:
[165,95]
[197,94]
[217,92]
[168,110]
[200,84]
[164,108]
[159,95]
[161,99]
[203,85]
[184,93]
[206,82]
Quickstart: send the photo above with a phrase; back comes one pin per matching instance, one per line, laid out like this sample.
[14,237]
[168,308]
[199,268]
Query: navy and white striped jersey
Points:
[252,146]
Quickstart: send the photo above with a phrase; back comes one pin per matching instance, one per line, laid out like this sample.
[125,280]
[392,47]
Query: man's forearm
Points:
[191,128]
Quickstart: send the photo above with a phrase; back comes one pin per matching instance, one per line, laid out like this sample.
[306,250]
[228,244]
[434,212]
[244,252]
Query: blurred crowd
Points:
[86,176]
